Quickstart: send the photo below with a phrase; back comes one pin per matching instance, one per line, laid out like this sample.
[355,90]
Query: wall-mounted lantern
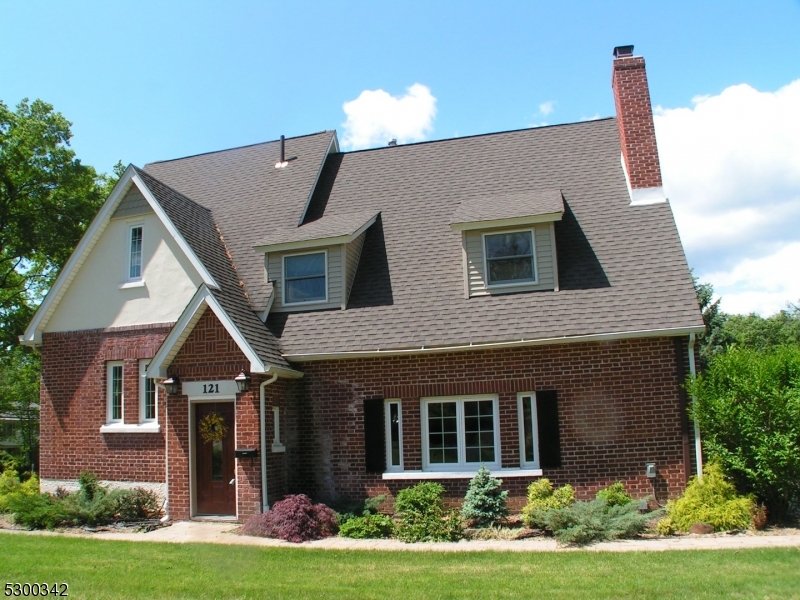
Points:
[172,385]
[242,381]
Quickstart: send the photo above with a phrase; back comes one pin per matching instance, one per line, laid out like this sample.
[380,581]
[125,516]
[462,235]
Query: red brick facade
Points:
[635,119]
[74,405]
[619,407]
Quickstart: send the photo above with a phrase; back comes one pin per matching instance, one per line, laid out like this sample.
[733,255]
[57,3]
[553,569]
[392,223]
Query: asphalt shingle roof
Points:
[328,226]
[621,268]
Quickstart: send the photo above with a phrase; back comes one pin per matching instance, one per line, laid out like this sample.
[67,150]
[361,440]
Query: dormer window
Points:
[305,278]
[510,257]
[135,256]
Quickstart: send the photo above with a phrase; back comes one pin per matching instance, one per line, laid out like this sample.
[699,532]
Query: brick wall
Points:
[635,119]
[74,406]
[619,407]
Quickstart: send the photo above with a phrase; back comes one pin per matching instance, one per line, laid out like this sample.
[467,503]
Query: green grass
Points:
[106,569]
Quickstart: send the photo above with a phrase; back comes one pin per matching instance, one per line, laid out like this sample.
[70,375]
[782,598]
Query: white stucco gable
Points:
[93,291]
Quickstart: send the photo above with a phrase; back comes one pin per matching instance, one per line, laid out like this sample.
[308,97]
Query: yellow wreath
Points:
[212,428]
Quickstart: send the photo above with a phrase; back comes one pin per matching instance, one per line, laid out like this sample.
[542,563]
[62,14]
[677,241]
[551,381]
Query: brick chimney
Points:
[637,134]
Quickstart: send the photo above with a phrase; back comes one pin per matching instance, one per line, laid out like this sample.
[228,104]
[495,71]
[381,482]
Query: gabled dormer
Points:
[312,267]
[509,242]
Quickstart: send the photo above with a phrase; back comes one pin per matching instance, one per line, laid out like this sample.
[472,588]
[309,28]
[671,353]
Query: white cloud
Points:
[731,166]
[376,117]
[547,107]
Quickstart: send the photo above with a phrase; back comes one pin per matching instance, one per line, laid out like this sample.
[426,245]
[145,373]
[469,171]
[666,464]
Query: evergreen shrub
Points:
[422,516]
[541,498]
[586,522]
[615,495]
[485,503]
[294,519]
[368,526]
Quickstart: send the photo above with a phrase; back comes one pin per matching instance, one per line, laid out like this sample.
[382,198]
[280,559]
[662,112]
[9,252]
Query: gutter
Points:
[698,443]
[262,415]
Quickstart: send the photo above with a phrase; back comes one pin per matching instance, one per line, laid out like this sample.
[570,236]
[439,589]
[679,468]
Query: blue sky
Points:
[147,81]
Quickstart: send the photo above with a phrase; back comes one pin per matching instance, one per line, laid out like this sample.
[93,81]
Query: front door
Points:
[214,458]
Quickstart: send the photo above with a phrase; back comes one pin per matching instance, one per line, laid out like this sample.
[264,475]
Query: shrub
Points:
[748,408]
[422,516]
[137,504]
[485,502]
[595,521]
[542,497]
[9,483]
[615,495]
[37,511]
[368,526]
[714,501]
[294,519]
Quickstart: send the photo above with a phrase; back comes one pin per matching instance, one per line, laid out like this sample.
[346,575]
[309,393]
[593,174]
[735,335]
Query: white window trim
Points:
[128,279]
[519,283]
[283,276]
[390,468]
[526,464]
[110,365]
[276,432]
[462,465]
[142,393]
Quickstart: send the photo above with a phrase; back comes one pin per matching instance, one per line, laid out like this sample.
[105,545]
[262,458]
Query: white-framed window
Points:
[116,395]
[509,257]
[393,413]
[305,277]
[148,395]
[135,252]
[528,430]
[460,433]
[277,446]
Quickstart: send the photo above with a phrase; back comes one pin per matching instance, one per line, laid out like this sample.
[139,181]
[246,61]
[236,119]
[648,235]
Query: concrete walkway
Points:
[222,533]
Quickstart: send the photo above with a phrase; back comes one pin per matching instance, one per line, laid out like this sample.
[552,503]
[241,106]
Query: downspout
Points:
[165,518]
[698,444]
[262,401]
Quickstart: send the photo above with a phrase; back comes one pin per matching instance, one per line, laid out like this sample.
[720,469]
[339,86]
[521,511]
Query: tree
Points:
[748,408]
[47,199]
[715,338]
[19,399]
[758,333]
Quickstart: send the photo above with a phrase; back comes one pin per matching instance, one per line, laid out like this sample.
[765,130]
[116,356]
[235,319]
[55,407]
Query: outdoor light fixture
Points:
[172,385]
[242,381]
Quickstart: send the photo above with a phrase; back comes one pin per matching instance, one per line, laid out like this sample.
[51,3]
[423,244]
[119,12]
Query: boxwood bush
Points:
[422,516]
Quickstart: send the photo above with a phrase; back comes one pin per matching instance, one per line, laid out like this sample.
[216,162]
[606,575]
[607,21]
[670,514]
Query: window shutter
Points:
[374,436]
[549,438]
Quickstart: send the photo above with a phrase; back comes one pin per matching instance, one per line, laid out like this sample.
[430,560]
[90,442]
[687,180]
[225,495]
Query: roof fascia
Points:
[33,333]
[512,222]
[316,243]
[179,239]
[601,337]
[184,326]
[333,146]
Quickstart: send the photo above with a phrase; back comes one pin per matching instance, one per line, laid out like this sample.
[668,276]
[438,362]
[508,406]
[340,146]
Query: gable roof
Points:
[508,209]
[325,231]
[621,268]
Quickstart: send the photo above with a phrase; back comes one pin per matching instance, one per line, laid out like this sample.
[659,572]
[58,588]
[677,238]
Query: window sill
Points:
[399,475]
[124,428]
[131,284]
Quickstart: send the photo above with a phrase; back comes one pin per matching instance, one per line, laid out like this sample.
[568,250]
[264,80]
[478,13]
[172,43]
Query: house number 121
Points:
[211,388]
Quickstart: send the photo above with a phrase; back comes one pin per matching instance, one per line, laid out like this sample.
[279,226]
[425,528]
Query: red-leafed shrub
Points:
[294,519]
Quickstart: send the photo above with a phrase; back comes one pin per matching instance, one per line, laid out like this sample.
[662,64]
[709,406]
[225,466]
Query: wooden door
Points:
[214,462]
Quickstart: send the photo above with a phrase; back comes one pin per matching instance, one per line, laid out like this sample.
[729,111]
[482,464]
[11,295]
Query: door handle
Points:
[232,481]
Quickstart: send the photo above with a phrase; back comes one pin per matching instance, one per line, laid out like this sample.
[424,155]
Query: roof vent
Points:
[392,142]
[283,161]
[623,51]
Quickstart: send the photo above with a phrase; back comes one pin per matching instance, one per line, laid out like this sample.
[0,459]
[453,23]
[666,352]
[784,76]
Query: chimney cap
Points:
[392,142]
[623,51]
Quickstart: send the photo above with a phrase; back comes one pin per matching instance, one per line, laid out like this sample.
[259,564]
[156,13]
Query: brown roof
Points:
[621,268]
[510,205]
[329,226]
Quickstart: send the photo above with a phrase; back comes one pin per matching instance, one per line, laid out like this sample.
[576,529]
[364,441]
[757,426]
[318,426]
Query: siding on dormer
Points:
[545,262]
[333,281]
[353,256]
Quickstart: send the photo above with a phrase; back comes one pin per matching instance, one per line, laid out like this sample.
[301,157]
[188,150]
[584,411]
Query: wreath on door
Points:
[212,428]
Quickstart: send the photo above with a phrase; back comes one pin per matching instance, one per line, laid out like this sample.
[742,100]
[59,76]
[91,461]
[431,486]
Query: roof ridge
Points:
[478,135]
[296,137]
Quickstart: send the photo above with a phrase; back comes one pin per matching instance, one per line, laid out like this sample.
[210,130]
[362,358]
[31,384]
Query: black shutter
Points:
[547,421]
[374,436]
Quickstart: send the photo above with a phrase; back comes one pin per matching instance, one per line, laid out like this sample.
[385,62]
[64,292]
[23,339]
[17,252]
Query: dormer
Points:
[312,267]
[509,242]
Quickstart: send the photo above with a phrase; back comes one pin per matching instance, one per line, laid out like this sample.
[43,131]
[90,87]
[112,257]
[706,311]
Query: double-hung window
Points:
[460,433]
[148,395]
[135,254]
[115,392]
[510,257]
[305,278]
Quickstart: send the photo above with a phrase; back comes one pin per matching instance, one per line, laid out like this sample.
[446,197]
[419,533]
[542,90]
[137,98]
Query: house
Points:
[286,317]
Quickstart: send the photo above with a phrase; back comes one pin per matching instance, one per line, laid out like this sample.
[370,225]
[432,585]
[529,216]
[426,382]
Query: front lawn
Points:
[105,569]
